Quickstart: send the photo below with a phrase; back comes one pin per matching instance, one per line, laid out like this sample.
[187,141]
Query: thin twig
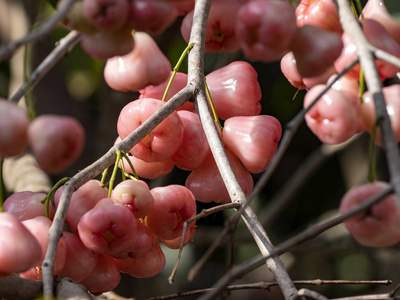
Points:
[7,50]
[64,46]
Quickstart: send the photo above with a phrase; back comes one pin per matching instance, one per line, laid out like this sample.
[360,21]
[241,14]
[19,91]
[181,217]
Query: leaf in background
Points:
[53,3]
[393,7]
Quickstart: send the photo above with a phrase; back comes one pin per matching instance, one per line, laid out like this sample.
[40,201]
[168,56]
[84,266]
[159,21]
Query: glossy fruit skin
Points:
[20,251]
[380,225]
[207,185]
[106,14]
[266,29]
[173,205]
[143,66]
[25,205]
[39,228]
[253,139]
[162,142]
[14,124]
[66,132]
[235,90]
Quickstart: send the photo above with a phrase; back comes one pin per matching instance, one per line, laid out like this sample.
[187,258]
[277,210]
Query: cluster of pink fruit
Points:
[106,236]
[17,132]
[340,114]
[250,139]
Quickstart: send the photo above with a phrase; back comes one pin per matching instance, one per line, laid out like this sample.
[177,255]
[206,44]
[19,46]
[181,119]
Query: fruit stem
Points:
[114,173]
[212,105]
[361,87]
[47,199]
[103,176]
[136,177]
[176,69]
[2,189]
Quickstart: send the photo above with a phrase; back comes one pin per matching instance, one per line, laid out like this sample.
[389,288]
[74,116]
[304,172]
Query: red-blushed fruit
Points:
[146,266]
[149,170]
[265,29]
[183,6]
[157,91]
[315,50]
[235,90]
[289,69]
[14,124]
[19,249]
[162,142]
[39,227]
[25,205]
[80,261]
[334,118]
[378,226]
[368,114]
[142,243]
[320,13]
[253,139]
[105,44]
[376,10]
[75,19]
[151,16]
[378,37]
[135,195]
[82,200]
[106,14]
[104,277]
[56,141]
[220,31]
[207,185]
[173,205]
[144,65]
[194,147]
[107,228]
[177,243]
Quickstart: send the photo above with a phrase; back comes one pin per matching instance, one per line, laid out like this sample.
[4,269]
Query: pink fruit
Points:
[320,13]
[183,6]
[220,32]
[253,139]
[82,200]
[14,124]
[151,16]
[56,141]
[378,37]
[162,142]
[105,44]
[207,185]
[379,226]
[194,147]
[146,266]
[80,261]
[265,29]
[149,170]
[376,10]
[144,65]
[39,227]
[368,114]
[19,249]
[173,205]
[235,90]
[135,195]
[157,91]
[334,118]
[25,205]
[106,14]
[76,20]
[104,277]
[107,228]
[177,243]
[315,50]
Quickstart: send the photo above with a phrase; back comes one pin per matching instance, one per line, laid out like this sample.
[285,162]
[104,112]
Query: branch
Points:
[7,50]
[64,46]
[352,27]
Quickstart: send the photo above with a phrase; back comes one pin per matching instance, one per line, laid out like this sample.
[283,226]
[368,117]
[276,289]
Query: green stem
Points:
[176,69]
[361,87]
[212,105]
[46,200]
[130,164]
[103,176]
[114,174]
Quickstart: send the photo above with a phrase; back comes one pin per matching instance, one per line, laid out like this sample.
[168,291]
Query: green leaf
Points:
[53,3]
[393,7]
